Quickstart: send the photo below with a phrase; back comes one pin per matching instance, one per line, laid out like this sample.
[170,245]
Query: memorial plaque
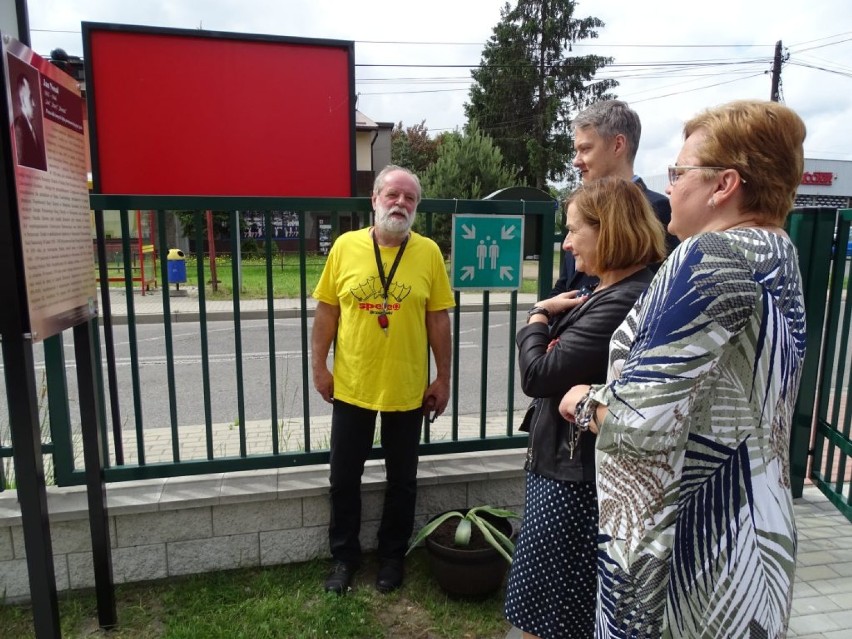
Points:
[46,117]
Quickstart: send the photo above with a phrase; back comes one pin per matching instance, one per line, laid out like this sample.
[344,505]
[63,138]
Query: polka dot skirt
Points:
[552,584]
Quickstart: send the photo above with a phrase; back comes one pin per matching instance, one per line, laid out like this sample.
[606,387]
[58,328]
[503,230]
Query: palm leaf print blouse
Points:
[697,533]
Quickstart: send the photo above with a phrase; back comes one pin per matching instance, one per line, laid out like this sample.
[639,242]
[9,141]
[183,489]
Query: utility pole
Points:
[775,95]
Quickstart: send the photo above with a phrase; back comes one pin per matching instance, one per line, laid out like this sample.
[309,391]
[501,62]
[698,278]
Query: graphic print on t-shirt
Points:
[371,289]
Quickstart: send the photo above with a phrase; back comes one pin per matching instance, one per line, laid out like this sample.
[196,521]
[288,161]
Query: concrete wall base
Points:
[190,525]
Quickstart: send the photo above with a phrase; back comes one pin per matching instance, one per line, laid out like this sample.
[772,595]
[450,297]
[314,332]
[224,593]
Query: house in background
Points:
[372,151]
[372,154]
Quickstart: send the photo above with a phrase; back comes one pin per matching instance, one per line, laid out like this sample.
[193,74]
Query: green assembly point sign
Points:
[487,252]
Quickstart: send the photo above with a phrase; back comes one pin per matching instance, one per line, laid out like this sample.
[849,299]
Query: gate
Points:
[823,416]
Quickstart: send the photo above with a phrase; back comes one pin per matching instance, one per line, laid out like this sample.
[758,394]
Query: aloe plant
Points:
[500,542]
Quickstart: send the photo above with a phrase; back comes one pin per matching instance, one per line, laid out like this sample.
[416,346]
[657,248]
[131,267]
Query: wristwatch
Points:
[538,310]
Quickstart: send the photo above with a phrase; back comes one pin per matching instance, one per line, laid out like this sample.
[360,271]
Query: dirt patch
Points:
[404,619]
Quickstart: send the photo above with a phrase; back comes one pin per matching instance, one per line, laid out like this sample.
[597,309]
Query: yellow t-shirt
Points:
[372,369]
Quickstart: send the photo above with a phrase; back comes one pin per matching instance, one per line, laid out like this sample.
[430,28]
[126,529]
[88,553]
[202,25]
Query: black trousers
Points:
[352,433]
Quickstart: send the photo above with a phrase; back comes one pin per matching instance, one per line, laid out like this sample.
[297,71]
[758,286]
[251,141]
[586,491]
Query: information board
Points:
[48,151]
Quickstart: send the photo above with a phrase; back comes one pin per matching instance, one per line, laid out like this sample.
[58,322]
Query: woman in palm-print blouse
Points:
[697,535]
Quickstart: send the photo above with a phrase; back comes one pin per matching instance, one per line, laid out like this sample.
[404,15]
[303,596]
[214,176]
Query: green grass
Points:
[282,601]
[285,277]
[529,286]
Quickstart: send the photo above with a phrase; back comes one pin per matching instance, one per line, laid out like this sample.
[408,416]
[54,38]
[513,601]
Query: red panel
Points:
[190,115]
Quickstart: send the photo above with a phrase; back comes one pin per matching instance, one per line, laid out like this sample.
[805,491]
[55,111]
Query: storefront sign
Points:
[818,178]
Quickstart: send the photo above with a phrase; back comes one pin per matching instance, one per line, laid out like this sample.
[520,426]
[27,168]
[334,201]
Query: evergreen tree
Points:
[527,86]
[469,167]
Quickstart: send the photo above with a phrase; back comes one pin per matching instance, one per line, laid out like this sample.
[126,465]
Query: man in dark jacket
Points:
[606,138]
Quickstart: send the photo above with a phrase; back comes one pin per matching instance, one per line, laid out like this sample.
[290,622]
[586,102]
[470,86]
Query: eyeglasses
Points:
[676,171]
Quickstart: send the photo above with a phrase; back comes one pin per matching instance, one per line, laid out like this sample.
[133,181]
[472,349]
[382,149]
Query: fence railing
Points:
[824,411]
[296,433]
[291,433]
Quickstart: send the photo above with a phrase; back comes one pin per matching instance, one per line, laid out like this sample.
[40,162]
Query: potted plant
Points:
[469,557]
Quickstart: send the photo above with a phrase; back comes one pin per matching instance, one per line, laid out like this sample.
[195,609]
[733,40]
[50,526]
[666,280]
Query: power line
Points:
[482,43]
[418,91]
[836,35]
[628,99]
[747,73]
[822,46]
[827,63]
[451,78]
[695,69]
[845,74]
[661,64]
[632,68]
[629,72]
[691,70]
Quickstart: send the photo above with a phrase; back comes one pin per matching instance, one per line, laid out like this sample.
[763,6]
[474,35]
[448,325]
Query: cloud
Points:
[673,57]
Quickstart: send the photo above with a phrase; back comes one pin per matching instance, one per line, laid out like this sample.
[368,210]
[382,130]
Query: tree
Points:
[560,194]
[221,223]
[527,87]
[469,167]
[412,148]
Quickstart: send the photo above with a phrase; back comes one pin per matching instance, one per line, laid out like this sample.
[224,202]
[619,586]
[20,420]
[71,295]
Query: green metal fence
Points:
[127,457]
[820,439]
[823,414]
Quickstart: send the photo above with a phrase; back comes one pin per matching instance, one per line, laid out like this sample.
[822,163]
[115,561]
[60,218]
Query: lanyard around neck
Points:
[386,281]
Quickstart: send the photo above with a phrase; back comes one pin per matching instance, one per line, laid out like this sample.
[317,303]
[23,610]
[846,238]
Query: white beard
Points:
[393,225]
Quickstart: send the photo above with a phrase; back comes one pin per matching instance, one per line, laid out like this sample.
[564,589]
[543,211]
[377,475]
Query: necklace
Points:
[750,224]
[384,322]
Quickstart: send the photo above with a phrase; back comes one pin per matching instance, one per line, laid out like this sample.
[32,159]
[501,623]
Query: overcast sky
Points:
[672,57]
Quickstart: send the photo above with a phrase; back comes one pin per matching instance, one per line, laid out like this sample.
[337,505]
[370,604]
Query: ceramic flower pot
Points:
[474,572]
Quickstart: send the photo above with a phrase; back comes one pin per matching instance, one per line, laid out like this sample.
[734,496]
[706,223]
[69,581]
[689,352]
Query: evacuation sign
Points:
[487,252]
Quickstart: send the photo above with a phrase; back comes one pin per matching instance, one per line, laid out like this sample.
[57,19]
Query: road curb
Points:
[256,314]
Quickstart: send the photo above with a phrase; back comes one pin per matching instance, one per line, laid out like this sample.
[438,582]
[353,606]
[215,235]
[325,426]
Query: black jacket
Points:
[580,356]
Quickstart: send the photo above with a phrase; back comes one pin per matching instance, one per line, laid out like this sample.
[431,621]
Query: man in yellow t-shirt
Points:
[384,295]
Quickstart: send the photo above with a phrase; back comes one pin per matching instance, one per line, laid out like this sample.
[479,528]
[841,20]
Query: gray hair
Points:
[610,118]
[379,182]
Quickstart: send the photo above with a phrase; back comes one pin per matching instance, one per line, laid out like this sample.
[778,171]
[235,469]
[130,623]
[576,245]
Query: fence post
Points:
[58,411]
[812,231]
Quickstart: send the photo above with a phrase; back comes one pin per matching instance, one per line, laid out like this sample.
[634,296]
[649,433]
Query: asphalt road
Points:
[258,390]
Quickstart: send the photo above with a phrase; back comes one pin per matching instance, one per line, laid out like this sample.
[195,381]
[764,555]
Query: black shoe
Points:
[391,573]
[339,580]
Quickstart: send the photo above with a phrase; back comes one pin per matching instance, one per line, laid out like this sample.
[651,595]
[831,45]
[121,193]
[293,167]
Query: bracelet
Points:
[585,411]
[538,310]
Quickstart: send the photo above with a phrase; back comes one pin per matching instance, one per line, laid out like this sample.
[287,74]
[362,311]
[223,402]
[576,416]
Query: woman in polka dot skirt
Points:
[614,234]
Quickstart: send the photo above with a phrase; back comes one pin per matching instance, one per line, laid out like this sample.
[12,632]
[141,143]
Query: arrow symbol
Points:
[469,232]
[467,273]
[507,233]
[505,272]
